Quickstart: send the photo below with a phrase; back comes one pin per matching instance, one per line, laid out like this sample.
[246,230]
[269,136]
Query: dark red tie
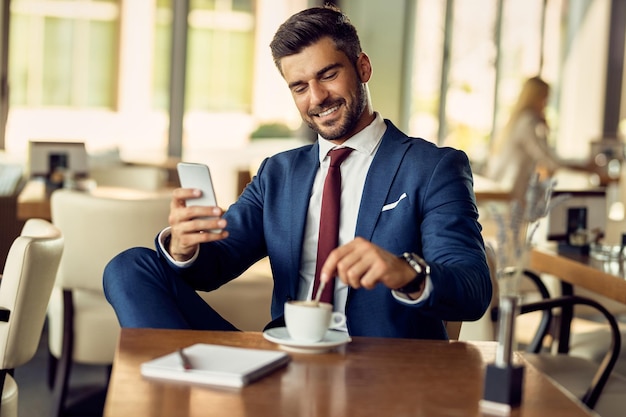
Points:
[329,220]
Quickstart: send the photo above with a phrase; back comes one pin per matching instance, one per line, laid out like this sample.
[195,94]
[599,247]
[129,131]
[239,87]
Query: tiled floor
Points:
[87,387]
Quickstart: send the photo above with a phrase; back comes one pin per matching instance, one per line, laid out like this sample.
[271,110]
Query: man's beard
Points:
[348,123]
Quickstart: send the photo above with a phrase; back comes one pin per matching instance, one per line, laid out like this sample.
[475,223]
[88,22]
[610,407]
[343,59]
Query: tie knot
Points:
[337,156]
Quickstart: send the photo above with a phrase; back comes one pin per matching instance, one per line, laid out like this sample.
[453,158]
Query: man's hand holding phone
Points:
[194,215]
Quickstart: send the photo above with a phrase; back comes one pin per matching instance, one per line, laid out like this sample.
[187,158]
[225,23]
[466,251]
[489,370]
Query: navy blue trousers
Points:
[146,293]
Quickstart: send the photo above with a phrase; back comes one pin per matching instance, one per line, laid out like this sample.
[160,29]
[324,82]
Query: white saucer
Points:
[331,339]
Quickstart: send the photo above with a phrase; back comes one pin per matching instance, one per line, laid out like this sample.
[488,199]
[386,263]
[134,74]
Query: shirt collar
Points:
[365,141]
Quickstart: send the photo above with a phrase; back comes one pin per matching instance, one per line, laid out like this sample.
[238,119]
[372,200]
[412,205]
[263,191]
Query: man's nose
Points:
[318,93]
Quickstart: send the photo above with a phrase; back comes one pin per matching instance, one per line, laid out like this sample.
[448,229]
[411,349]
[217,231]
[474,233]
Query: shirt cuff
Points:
[163,236]
[403,298]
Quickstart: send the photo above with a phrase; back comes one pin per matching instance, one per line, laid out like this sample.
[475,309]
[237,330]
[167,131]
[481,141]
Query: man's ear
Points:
[364,67]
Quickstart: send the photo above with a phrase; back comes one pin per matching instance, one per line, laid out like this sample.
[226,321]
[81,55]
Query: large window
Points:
[64,53]
[471,76]
[471,59]
[99,70]
[220,52]
[430,23]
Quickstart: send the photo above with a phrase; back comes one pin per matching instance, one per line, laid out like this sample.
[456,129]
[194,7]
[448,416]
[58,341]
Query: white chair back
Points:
[98,228]
[27,282]
[82,326]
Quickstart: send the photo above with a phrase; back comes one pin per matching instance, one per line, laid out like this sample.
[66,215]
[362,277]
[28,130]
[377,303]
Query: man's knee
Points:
[125,268]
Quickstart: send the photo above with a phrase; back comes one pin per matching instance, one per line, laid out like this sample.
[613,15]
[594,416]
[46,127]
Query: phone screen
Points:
[194,175]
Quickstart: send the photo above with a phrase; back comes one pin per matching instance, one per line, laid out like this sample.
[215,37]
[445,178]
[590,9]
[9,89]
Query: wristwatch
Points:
[421,268]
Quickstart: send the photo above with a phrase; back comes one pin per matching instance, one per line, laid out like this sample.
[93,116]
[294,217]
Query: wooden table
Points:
[368,377]
[33,201]
[606,278]
[489,190]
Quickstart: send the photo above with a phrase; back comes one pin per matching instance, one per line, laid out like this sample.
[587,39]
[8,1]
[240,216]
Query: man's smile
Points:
[329,111]
[326,112]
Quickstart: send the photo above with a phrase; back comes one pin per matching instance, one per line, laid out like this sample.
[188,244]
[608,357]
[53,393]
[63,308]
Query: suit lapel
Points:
[303,172]
[378,182]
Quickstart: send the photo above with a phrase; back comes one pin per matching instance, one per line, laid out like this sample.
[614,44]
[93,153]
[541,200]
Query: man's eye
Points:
[299,89]
[329,76]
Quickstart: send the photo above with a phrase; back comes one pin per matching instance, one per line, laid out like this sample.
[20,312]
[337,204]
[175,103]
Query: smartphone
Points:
[194,175]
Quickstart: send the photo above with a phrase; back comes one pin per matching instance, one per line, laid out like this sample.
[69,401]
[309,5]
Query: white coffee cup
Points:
[308,321]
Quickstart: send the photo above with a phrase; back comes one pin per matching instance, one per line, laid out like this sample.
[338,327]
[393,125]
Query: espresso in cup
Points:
[308,321]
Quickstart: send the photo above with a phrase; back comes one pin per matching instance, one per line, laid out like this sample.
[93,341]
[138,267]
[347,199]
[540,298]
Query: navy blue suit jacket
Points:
[437,220]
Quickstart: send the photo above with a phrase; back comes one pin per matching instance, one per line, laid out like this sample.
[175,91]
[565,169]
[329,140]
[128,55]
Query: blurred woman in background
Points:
[522,147]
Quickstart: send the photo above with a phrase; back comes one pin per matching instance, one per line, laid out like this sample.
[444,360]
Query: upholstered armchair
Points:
[82,325]
[25,288]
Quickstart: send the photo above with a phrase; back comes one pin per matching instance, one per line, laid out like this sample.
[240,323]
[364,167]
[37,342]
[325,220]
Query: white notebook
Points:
[215,365]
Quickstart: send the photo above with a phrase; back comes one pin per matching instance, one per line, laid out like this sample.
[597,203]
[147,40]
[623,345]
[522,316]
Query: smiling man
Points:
[406,253]
[333,100]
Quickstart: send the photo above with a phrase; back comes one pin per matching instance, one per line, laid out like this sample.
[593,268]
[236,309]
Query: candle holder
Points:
[504,380]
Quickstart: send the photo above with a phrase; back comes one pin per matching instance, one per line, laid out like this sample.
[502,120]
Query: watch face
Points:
[414,261]
[421,269]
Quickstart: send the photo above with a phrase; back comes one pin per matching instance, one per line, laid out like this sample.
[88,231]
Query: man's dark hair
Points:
[309,26]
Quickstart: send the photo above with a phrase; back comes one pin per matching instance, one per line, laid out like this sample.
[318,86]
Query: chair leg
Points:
[64,363]
[590,398]
[52,369]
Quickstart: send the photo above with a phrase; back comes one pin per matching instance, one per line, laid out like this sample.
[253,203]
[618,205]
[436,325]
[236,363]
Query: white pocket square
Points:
[393,205]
